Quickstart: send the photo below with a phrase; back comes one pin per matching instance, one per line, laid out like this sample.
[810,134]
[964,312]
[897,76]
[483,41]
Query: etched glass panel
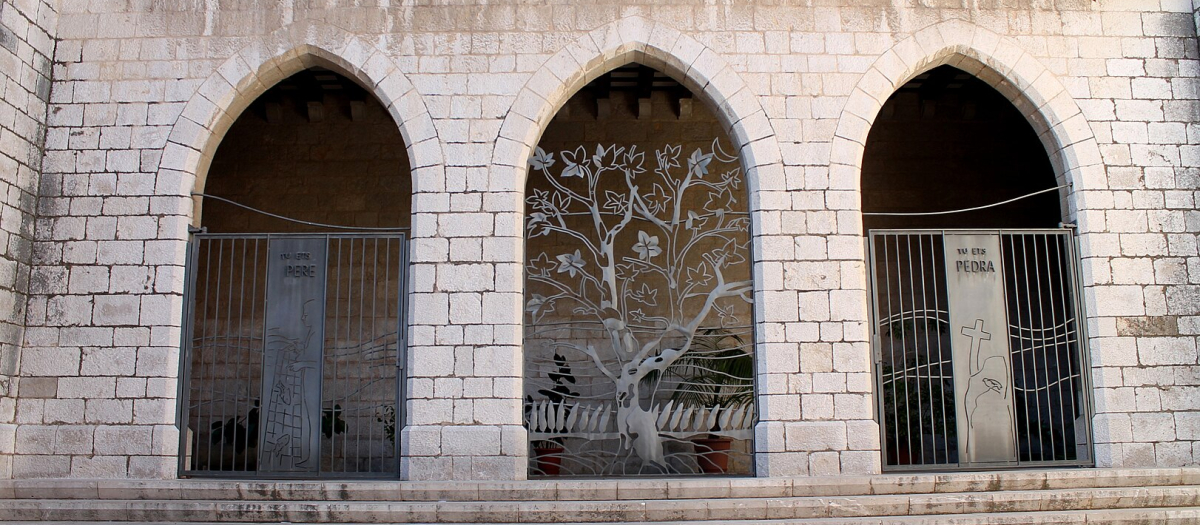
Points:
[638,312]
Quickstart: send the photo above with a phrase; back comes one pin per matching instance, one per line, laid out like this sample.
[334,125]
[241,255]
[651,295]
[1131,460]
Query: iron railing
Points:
[234,424]
[913,340]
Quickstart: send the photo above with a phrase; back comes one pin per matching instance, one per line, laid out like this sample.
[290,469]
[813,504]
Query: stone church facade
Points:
[112,115]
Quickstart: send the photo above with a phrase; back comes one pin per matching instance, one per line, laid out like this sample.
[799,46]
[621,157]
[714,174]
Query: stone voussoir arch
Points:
[697,67]
[258,66]
[657,45]
[1000,62]
[1032,88]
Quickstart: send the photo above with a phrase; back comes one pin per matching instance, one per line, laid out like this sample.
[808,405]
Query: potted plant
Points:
[718,371]
[240,433]
[548,452]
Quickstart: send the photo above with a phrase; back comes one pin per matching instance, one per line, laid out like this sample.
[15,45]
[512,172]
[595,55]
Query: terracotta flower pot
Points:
[549,460]
[713,454]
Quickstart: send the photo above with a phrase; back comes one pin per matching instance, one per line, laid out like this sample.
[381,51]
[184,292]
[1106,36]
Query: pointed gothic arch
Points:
[637,41]
[1066,140]
[220,101]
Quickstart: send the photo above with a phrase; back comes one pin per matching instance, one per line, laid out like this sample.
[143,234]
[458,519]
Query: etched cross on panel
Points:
[982,373]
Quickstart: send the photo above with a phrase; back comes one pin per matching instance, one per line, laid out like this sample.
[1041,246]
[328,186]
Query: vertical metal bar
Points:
[1067,322]
[325,348]
[184,386]
[1037,401]
[349,334]
[363,403]
[908,410]
[337,317]
[401,349]
[1082,352]
[212,393]
[227,337]
[387,312]
[935,260]
[1014,306]
[1058,371]
[1040,346]
[240,349]
[903,374]
[251,381]
[892,351]
[231,347]
[262,416]
[876,341]
[928,362]
[912,280]
[199,357]
[362,293]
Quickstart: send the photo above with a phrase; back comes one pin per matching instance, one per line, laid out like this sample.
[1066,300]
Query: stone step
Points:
[1146,516]
[646,510]
[590,490]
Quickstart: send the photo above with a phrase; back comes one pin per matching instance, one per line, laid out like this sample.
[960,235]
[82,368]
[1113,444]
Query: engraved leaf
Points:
[645,295]
[541,160]
[604,418]
[726,415]
[711,421]
[698,275]
[539,306]
[572,417]
[698,163]
[615,202]
[647,246]
[570,263]
[657,200]
[585,417]
[668,157]
[664,415]
[736,420]
[675,418]
[633,161]
[573,162]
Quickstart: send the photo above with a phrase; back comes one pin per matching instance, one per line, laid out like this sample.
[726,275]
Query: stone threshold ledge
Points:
[593,490]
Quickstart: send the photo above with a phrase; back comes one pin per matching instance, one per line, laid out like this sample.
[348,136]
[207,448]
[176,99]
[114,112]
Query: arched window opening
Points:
[638,340]
[316,147]
[294,328]
[978,336]
[947,141]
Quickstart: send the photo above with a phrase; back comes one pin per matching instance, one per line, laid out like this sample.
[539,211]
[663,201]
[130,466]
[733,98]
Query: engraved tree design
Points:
[650,269]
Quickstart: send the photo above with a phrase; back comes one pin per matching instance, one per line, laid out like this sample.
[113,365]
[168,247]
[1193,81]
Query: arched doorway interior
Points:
[294,333]
[638,340]
[977,327]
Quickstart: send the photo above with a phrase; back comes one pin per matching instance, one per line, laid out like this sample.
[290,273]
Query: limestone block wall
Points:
[143,97]
[26,49]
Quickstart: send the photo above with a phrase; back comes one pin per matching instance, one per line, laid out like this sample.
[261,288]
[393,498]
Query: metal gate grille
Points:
[278,383]
[913,339]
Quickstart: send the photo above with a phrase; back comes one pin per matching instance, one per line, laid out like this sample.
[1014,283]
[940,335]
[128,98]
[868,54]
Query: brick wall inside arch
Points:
[317,148]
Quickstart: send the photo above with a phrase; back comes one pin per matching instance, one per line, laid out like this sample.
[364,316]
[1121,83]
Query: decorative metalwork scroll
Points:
[638,311]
